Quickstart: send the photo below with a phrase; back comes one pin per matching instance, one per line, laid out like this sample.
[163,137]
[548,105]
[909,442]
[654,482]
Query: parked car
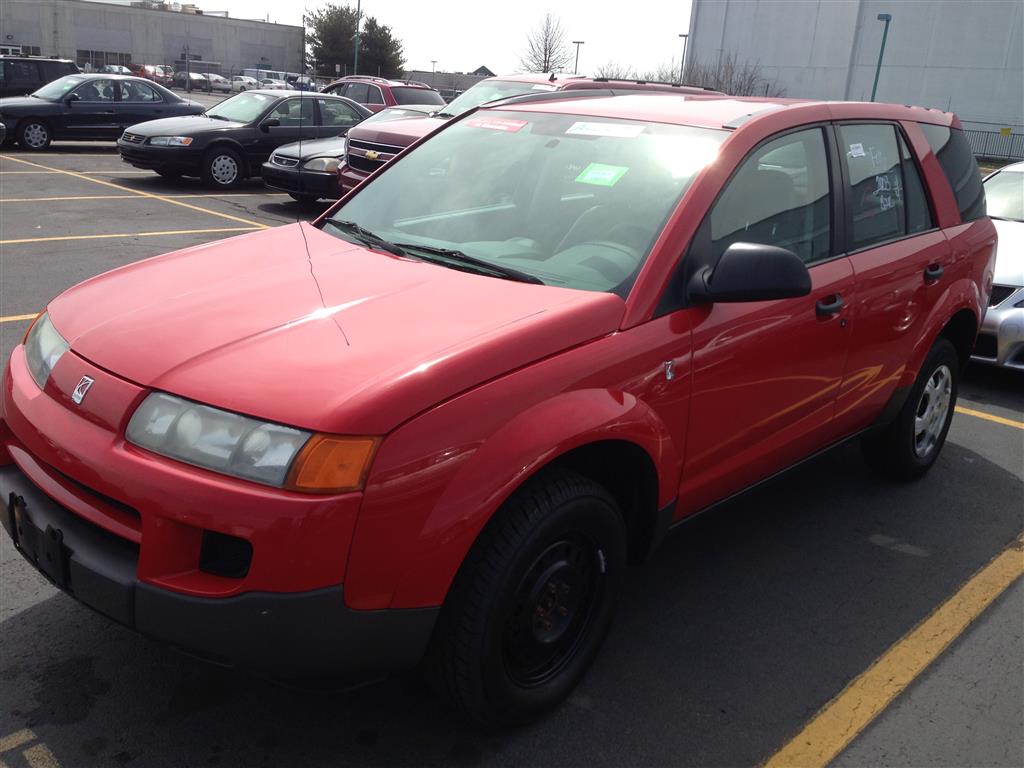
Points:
[372,145]
[269,83]
[89,107]
[232,140]
[376,93]
[191,81]
[301,83]
[1001,341]
[218,83]
[21,75]
[438,422]
[114,69]
[155,72]
[3,134]
[241,83]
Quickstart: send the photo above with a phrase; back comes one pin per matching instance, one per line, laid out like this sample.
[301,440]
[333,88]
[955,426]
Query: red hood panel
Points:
[397,133]
[346,340]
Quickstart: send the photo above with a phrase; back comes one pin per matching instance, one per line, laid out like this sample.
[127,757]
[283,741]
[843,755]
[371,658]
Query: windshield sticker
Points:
[497,124]
[602,175]
[543,87]
[856,150]
[615,130]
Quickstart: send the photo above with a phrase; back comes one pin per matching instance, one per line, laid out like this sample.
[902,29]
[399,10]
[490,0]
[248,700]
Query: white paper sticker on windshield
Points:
[542,87]
[615,130]
[856,150]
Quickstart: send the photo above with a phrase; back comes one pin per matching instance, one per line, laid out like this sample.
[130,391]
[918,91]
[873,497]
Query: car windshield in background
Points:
[399,113]
[572,201]
[1004,195]
[58,88]
[243,108]
[489,90]
[406,95]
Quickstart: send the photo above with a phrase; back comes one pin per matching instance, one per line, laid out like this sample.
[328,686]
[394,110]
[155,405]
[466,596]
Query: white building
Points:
[965,56]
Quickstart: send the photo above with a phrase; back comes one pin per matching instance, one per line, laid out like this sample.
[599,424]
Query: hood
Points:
[21,103]
[343,340]
[398,133]
[186,125]
[1009,253]
[332,147]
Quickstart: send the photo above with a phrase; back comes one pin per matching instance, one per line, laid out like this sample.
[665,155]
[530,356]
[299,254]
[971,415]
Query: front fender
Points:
[439,479]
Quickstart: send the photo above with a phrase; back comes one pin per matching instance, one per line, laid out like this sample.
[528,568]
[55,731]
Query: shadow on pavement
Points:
[744,623]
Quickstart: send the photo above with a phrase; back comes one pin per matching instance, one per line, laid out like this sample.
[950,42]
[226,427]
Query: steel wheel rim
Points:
[36,135]
[552,610]
[932,410]
[224,169]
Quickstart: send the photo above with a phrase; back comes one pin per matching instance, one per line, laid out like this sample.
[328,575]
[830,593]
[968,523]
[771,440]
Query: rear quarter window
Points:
[954,154]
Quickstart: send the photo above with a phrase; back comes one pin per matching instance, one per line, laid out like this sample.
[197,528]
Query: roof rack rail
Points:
[372,78]
[649,82]
[413,82]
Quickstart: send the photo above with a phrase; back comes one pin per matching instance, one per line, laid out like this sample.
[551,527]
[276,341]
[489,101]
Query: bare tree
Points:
[546,49]
[613,70]
[726,74]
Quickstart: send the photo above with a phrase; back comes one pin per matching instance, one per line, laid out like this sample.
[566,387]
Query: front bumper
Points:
[299,182]
[1001,338]
[184,159]
[291,636]
[349,178]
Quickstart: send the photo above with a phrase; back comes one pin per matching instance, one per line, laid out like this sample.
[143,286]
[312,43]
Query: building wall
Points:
[966,56]
[63,27]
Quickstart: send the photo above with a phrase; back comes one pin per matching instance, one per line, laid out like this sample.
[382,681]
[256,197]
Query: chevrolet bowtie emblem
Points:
[82,390]
[371,155]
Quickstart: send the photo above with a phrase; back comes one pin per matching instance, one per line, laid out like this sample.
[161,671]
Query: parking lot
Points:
[744,625]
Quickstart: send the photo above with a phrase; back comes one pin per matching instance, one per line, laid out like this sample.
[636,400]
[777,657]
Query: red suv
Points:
[375,143]
[376,93]
[437,424]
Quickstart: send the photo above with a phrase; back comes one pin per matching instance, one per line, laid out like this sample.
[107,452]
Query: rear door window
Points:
[373,95]
[358,92]
[21,73]
[954,154]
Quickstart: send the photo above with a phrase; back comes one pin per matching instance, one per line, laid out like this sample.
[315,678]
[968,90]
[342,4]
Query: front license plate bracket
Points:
[45,549]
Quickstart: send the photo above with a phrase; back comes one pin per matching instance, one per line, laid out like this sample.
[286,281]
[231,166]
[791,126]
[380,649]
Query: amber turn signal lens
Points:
[330,464]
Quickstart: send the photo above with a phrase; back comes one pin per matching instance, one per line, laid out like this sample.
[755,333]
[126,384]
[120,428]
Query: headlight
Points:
[255,450]
[326,164]
[43,348]
[171,141]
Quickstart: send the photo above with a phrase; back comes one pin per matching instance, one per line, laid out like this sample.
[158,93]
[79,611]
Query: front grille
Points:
[986,346]
[1000,293]
[362,164]
[285,162]
[133,138]
[356,155]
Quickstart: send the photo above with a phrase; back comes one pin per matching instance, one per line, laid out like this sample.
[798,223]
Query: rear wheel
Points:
[909,446]
[222,168]
[34,135]
[532,603]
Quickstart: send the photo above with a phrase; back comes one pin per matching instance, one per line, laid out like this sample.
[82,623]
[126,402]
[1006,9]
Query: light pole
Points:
[359,17]
[682,63]
[433,71]
[576,68]
[886,17]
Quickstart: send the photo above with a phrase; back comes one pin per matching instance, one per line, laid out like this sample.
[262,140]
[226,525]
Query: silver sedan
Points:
[1001,341]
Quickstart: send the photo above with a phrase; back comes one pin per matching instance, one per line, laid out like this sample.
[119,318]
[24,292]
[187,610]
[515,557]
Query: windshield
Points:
[243,108]
[1004,195]
[573,201]
[406,95]
[58,88]
[489,90]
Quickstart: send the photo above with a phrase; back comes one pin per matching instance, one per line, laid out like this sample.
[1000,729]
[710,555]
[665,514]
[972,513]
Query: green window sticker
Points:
[602,175]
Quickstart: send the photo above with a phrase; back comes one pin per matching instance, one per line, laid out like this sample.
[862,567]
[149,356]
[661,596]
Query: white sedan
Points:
[241,83]
[274,85]
[218,83]
[1001,340]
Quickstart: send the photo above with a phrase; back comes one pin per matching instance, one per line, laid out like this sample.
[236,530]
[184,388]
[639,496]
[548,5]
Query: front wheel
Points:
[908,447]
[34,135]
[531,605]
[222,168]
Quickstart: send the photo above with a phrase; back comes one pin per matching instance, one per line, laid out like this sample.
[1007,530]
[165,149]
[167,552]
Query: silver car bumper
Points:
[1001,339]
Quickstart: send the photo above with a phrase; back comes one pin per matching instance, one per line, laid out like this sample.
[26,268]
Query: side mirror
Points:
[752,272]
[71,98]
[270,122]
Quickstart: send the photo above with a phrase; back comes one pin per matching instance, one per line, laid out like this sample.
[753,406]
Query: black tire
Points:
[907,448]
[171,174]
[34,135]
[215,165]
[304,199]
[532,603]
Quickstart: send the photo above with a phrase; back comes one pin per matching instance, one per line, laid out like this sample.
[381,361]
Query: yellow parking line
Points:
[139,193]
[24,240]
[213,195]
[16,739]
[25,173]
[15,319]
[989,417]
[849,713]
[40,756]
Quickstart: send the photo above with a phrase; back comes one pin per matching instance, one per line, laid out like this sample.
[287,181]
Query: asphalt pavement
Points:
[742,627]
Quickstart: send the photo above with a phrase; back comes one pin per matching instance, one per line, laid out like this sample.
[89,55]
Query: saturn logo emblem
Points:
[82,390]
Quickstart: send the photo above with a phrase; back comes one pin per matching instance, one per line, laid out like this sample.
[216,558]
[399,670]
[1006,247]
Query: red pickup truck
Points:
[436,425]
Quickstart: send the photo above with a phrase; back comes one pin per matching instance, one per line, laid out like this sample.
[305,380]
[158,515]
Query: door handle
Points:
[830,305]
[933,272]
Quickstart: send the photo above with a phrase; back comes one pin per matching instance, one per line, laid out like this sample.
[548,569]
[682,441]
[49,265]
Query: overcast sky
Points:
[463,35]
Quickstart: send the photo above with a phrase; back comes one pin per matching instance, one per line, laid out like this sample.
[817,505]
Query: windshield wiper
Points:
[496,270]
[366,237]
